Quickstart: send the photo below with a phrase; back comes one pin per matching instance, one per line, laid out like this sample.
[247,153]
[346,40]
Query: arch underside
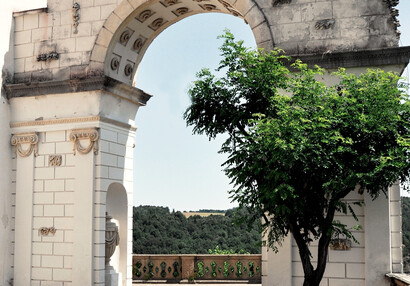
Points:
[143,25]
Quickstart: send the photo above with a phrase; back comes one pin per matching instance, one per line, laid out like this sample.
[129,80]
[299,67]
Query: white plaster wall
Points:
[6,209]
[114,166]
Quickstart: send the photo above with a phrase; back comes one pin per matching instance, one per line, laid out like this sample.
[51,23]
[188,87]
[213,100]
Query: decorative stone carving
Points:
[340,244]
[139,43]
[280,2]
[157,23]
[76,17]
[45,231]
[112,239]
[125,37]
[128,69]
[115,63]
[144,15]
[25,138]
[181,11]
[231,9]
[167,3]
[234,12]
[84,134]
[54,160]
[325,24]
[208,7]
[48,57]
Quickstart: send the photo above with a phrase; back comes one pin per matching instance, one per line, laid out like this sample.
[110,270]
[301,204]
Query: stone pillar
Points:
[377,240]
[188,265]
[72,148]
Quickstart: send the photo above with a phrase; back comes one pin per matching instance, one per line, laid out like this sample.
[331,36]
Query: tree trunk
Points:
[311,281]
[313,277]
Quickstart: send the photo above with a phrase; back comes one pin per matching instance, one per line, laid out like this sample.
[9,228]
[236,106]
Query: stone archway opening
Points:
[128,32]
[164,145]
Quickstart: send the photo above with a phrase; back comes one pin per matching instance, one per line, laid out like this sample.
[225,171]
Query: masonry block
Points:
[63,223]
[30,21]
[24,51]
[22,37]
[43,198]
[62,274]
[41,273]
[53,210]
[42,248]
[52,261]
[63,248]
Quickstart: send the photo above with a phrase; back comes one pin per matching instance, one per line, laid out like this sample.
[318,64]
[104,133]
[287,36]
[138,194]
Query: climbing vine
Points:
[200,269]
[213,266]
[251,269]
[239,269]
[226,269]
[136,269]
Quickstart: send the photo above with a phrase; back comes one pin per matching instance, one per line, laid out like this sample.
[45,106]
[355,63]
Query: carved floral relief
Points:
[90,135]
[25,138]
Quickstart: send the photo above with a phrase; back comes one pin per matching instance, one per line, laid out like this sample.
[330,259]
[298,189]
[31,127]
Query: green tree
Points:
[297,147]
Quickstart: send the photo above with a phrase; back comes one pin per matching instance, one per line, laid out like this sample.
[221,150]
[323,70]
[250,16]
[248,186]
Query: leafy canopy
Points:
[297,146]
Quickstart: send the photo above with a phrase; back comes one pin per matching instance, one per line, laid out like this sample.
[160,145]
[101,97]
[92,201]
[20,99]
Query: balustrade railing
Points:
[176,268]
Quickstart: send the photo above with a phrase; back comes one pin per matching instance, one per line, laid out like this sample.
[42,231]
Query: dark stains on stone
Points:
[48,57]
[394,13]
[280,2]
[325,24]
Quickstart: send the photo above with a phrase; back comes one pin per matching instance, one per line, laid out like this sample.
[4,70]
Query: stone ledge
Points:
[399,279]
[30,12]
[363,58]
[77,85]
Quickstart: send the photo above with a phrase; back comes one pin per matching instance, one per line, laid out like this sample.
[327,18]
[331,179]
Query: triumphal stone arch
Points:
[67,130]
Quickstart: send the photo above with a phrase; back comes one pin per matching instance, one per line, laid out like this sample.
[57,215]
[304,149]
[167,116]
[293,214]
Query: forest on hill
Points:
[156,230]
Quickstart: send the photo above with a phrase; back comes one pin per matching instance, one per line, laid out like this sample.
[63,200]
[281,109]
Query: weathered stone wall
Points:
[306,27]
[49,47]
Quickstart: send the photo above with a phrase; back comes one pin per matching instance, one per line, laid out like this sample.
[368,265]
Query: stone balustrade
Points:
[180,267]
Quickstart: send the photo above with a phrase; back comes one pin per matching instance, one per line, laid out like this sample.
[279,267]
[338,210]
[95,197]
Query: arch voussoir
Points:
[244,6]
[124,10]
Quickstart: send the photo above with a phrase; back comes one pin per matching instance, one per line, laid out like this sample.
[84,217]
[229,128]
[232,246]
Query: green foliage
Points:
[296,146]
[218,250]
[158,231]
[200,265]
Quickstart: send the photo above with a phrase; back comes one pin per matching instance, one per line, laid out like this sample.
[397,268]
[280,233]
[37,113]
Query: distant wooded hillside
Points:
[159,231]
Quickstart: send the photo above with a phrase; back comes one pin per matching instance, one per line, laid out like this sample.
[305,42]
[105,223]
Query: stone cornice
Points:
[72,121]
[364,58]
[113,86]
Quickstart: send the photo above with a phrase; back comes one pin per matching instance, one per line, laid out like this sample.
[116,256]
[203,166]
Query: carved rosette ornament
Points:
[54,160]
[90,135]
[112,239]
[45,231]
[25,138]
